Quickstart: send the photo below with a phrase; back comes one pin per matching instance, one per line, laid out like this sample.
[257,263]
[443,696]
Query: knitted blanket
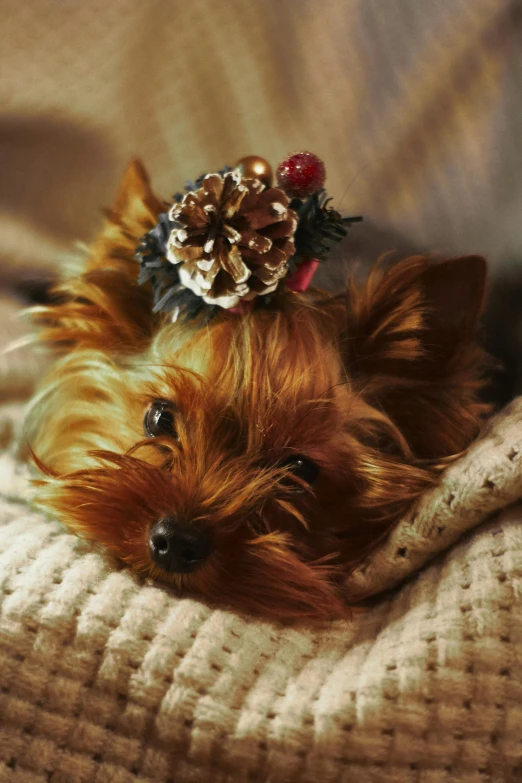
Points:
[105,678]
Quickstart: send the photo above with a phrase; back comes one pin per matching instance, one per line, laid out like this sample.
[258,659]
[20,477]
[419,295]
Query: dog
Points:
[257,459]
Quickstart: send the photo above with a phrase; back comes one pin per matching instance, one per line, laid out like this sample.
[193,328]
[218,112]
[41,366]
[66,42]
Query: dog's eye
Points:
[302,467]
[159,419]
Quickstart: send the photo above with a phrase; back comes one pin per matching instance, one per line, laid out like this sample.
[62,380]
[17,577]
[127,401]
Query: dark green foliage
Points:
[319,227]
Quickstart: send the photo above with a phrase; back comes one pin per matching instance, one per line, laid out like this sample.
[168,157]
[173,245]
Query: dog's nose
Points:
[178,548]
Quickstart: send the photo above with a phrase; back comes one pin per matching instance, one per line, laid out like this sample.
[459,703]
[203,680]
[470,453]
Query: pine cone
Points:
[232,239]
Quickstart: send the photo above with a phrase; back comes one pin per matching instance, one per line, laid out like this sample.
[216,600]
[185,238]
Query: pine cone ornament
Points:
[232,239]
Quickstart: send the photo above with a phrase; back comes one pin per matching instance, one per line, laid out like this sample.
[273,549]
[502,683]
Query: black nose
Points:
[178,548]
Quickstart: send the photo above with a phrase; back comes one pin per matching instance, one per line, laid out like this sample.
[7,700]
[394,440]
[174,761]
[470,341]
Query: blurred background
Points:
[415,106]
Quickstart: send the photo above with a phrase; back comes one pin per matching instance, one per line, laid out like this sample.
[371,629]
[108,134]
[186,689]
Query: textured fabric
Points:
[486,479]
[414,105]
[103,678]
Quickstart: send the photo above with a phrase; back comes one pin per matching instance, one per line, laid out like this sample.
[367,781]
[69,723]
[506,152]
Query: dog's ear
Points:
[136,206]
[105,308]
[409,347]
[413,319]
[134,188]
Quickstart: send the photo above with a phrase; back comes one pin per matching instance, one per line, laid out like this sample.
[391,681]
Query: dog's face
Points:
[255,460]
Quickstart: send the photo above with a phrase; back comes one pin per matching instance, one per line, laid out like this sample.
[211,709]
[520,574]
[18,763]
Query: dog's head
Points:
[257,459]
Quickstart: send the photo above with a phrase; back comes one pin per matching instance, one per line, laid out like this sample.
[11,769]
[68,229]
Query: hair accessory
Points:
[256,167]
[301,174]
[231,237]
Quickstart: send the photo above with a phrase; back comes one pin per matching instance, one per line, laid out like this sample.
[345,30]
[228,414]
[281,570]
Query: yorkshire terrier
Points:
[254,459]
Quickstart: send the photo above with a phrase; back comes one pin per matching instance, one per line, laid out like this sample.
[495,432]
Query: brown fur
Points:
[378,385]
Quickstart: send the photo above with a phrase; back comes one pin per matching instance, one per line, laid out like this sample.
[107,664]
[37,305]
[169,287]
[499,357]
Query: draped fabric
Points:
[414,106]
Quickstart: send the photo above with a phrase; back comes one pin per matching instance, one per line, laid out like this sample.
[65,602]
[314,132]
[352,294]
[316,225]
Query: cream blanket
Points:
[107,679]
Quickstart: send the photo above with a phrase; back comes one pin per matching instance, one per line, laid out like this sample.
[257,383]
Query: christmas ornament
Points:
[256,168]
[301,174]
[230,239]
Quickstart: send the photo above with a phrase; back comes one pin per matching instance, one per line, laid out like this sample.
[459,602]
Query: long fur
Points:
[378,385]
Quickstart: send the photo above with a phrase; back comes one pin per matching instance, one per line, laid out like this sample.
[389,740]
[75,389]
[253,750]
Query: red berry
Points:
[301,174]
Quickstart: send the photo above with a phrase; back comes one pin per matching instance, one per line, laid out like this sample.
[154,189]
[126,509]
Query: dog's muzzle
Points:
[178,548]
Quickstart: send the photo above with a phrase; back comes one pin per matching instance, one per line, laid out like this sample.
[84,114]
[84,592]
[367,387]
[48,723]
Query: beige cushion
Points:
[104,678]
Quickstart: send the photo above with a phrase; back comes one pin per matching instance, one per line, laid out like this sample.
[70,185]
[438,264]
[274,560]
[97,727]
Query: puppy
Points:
[258,458]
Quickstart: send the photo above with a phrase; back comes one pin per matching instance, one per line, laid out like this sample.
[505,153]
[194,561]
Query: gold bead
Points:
[252,166]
